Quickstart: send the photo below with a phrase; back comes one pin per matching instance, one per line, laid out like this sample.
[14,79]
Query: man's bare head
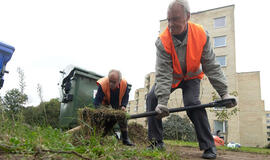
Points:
[183,3]
[115,78]
[178,15]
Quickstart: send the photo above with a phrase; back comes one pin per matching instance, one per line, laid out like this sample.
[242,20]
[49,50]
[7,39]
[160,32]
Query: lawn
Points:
[18,140]
[241,149]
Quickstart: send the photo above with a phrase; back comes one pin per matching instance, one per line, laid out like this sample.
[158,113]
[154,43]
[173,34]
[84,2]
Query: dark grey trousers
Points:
[191,93]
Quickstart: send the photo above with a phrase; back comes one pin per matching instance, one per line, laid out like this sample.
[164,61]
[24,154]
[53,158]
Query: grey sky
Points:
[99,35]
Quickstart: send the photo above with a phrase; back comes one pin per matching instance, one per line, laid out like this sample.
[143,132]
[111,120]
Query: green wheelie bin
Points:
[77,89]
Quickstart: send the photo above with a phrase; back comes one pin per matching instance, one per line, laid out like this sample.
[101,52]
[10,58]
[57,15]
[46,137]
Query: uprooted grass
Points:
[99,121]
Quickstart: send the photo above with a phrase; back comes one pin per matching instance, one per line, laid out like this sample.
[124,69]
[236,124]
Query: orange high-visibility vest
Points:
[104,83]
[195,42]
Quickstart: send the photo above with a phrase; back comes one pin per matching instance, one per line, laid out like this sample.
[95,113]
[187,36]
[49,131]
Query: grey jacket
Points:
[164,68]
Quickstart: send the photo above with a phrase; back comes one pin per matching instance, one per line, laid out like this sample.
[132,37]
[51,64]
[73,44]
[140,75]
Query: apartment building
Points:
[268,125]
[250,126]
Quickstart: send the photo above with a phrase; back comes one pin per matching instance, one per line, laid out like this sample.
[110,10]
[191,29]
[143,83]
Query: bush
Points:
[177,128]
[267,146]
[38,116]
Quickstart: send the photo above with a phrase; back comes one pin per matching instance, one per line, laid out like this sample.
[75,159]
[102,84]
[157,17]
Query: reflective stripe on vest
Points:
[105,85]
[195,42]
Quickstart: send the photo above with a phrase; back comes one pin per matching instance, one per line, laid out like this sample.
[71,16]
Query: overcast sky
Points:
[99,35]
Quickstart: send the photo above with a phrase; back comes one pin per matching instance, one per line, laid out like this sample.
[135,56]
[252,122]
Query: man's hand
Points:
[162,111]
[233,104]
[123,108]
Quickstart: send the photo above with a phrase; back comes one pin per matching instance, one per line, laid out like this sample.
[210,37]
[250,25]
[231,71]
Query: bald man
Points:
[114,91]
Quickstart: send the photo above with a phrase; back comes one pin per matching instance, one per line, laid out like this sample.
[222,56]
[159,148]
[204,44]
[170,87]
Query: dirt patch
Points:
[137,133]
[195,154]
[13,157]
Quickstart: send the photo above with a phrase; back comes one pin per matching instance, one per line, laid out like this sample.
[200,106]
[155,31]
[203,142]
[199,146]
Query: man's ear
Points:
[188,16]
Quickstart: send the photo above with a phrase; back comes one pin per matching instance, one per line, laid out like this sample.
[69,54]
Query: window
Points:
[219,22]
[220,41]
[219,108]
[219,125]
[268,127]
[268,115]
[136,108]
[268,133]
[268,121]
[128,107]
[94,93]
[221,60]
[268,139]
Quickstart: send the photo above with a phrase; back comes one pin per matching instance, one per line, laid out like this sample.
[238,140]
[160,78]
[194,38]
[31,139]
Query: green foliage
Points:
[13,102]
[21,137]
[53,112]
[12,105]
[177,128]
[224,114]
[37,116]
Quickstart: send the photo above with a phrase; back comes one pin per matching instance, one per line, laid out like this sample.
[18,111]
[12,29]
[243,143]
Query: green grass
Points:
[247,149]
[241,149]
[25,141]
[182,143]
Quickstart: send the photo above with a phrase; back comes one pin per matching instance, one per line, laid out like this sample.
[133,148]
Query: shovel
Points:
[218,103]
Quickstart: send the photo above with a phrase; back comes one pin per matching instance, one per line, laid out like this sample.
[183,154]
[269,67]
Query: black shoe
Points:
[160,146]
[128,143]
[150,147]
[210,153]
[156,145]
[125,139]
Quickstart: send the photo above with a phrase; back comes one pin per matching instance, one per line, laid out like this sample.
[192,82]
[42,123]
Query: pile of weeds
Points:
[137,133]
[99,121]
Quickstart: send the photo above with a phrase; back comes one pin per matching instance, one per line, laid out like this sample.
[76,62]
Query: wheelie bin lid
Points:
[72,70]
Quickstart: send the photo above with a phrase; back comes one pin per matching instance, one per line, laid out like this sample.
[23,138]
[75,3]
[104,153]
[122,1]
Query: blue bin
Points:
[6,52]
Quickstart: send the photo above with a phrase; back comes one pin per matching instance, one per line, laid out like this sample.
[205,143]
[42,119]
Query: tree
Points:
[22,84]
[13,101]
[224,114]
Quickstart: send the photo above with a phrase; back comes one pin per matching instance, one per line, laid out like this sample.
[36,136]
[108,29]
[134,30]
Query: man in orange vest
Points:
[184,54]
[114,91]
